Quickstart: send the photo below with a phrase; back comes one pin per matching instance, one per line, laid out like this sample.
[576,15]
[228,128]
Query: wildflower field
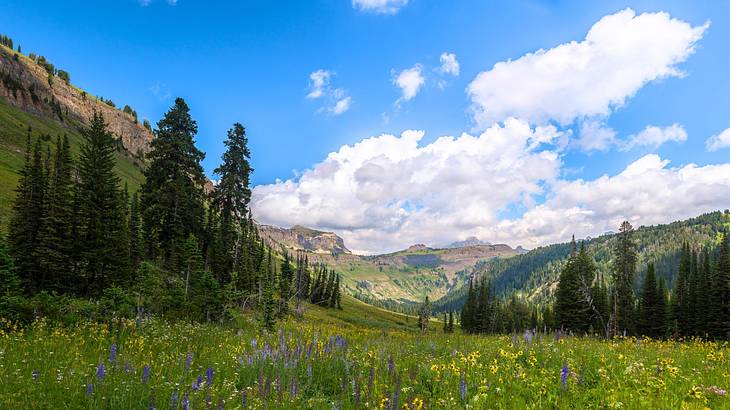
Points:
[325,362]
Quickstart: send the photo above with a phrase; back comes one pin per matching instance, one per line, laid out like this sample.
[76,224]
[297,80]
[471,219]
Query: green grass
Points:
[13,132]
[330,355]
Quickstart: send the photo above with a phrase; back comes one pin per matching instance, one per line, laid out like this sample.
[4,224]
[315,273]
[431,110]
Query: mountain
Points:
[34,85]
[299,238]
[534,274]
[32,98]
[405,276]
[470,241]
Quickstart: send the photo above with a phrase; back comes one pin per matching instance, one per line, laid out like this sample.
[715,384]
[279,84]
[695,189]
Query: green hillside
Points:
[534,275]
[14,125]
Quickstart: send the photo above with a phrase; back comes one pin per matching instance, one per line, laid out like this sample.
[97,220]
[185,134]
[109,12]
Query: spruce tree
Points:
[424,315]
[721,323]
[172,195]
[9,282]
[27,218]
[232,194]
[680,296]
[103,251]
[451,321]
[56,240]
[136,247]
[268,306]
[651,312]
[624,269]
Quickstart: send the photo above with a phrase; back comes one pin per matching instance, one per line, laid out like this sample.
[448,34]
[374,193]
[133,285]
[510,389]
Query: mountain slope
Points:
[28,101]
[407,276]
[534,274]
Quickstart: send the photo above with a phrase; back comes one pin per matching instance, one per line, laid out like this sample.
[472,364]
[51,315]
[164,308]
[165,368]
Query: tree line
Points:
[170,248]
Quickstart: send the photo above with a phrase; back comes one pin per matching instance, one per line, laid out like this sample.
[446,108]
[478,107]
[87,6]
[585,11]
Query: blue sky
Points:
[251,62]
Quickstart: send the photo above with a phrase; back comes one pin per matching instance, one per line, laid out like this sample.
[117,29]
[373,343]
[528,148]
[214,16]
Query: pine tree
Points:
[336,297]
[27,219]
[662,310]
[468,311]
[136,248]
[172,195]
[104,256]
[285,281]
[573,303]
[55,240]
[9,282]
[624,268]
[232,194]
[451,322]
[268,306]
[651,312]
[424,315]
[680,296]
[721,322]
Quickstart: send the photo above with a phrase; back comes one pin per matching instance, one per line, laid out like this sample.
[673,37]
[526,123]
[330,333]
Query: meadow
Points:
[338,360]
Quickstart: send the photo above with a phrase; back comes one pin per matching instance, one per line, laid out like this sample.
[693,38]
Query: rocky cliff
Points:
[299,238]
[28,86]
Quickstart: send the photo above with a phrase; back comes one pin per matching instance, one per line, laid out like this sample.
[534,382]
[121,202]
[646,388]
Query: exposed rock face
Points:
[470,241]
[24,84]
[299,238]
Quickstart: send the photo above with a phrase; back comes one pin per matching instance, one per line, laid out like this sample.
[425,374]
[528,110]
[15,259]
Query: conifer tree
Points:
[424,315]
[268,306]
[56,242]
[104,254]
[451,321]
[721,321]
[9,282]
[680,296]
[468,311]
[136,248]
[651,312]
[172,195]
[232,194]
[27,219]
[285,281]
[624,269]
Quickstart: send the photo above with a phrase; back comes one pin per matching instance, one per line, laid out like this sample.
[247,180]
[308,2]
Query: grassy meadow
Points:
[360,357]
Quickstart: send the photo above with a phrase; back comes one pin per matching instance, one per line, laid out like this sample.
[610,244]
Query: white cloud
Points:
[341,106]
[647,192]
[380,6]
[337,99]
[653,136]
[716,142]
[449,64]
[620,54]
[410,82]
[595,135]
[318,81]
[386,192]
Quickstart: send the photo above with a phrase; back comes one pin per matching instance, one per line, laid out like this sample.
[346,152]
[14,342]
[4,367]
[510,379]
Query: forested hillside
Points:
[534,275]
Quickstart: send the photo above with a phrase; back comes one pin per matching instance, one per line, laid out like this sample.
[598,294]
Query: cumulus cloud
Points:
[449,64]
[716,142]
[410,82]
[653,136]
[338,101]
[385,192]
[646,192]
[379,6]
[620,54]
[595,135]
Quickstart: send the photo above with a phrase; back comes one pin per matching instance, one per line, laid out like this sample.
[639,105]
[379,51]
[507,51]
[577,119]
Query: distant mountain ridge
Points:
[470,241]
[299,238]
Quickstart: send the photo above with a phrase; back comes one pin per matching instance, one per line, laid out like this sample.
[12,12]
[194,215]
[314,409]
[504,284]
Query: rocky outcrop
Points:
[299,238]
[26,85]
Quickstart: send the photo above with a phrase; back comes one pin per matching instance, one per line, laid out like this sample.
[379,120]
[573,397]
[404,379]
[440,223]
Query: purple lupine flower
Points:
[391,364]
[220,404]
[396,394]
[89,389]
[309,370]
[35,375]
[293,388]
[146,373]
[371,378]
[127,367]
[564,372]
[462,387]
[173,400]
[244,398]
[101,371]
[197,383]
[528,337]
[188,361]
[356,390]
[208,400]
[185,402]
[209,376]
[113,353]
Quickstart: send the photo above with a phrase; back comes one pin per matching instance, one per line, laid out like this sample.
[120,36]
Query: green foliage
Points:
[172,195]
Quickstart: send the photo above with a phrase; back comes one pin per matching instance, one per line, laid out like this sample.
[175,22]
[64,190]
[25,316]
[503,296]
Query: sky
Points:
[395,122]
